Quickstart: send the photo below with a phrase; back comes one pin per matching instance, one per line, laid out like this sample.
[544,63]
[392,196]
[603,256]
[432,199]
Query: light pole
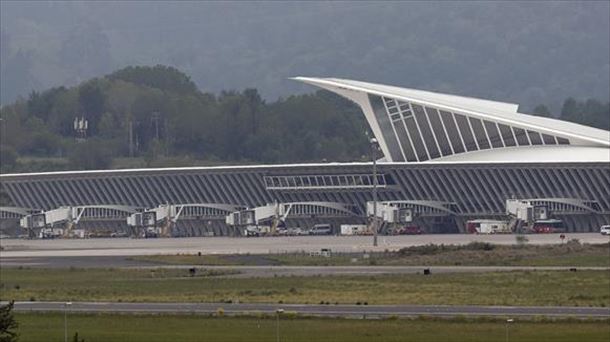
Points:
[277,326]
[66,305]
[374,157]
[508,321]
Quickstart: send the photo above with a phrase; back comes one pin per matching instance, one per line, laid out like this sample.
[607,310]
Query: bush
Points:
[8,324]
[90,155]
[8,158]
[479,246]
[521,240]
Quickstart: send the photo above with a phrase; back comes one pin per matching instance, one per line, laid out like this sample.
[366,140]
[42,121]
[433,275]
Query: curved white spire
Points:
[414,125]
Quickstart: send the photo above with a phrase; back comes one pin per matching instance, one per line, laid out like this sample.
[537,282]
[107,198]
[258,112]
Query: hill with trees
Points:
[152,116]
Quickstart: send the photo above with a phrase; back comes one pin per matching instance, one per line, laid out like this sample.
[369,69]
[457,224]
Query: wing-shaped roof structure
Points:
[416,126]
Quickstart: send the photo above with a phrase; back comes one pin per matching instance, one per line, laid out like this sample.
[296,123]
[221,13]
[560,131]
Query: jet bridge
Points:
[64,220]
[266,219]
[429,216]
[533,213]
[188,219]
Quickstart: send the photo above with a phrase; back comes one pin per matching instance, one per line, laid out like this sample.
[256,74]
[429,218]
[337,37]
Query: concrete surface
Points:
[317,310]
[263,245]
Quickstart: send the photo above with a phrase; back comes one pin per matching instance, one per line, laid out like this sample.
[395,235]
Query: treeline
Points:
[156,116]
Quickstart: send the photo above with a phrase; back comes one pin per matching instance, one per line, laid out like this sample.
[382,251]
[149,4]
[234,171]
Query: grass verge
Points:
[544,288]
[571,253]
[151,328]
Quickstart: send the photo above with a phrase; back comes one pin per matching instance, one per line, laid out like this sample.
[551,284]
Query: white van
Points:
[321,229]
[605,230]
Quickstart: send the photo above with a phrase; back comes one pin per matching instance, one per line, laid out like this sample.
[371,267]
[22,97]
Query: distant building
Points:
[449,158]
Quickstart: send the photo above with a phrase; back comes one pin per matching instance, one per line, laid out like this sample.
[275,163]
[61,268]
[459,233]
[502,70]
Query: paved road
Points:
[227,245]
[318,310]
[271,271]
[310,271]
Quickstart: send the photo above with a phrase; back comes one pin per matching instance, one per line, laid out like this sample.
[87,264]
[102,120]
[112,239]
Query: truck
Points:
[547,226]
[354,229]
[487,227]
[408,230]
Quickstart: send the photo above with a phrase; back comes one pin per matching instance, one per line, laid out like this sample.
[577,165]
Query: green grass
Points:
[151,328]
[474,254]
[582,288]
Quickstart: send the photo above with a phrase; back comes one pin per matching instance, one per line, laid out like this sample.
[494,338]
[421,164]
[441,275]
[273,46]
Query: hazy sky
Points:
[527,52]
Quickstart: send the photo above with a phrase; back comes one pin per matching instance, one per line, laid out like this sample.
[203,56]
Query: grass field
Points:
[152,328]
[473,254]
[582,288]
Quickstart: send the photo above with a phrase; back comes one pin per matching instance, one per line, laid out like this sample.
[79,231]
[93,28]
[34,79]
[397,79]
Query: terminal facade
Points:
[447,159]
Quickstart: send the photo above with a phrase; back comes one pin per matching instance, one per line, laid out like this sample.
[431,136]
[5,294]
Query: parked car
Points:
[320,229]
[605,230]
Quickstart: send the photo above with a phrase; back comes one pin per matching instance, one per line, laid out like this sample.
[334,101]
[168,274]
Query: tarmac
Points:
[12,248]
[330,310]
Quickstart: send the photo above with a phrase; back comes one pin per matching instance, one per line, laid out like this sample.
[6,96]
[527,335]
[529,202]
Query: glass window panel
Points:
[521,137]
[494,135]
[406,110]
[417,142]
[548,139]
[437,128]
[404,141]
[366,180]
[479,133]
[563,141]
[386,127]
[507,135]
[426,131]
[535,137]
[452,131]
[466,133]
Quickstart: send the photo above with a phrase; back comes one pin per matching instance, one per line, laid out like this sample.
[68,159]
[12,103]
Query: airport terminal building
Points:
[446,158]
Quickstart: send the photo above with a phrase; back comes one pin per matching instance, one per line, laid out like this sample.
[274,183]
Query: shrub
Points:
[521,240]
[479,246]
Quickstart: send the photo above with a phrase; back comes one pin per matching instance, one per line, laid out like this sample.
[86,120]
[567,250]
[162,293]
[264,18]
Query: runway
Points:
[266,245]
[272,271]
[370,311]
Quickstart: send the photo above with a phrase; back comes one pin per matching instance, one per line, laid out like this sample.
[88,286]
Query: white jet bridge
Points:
[164,219]
[65,219]
[272,215]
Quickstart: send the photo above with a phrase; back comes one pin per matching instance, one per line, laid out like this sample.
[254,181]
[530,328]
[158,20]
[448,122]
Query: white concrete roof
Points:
[535,158]
[542,154]
[485,109]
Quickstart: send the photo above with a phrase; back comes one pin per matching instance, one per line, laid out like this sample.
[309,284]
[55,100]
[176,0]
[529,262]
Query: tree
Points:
[570,110]
[75,338]
[90,155]
[8,158]
[542,110]
[92,101]
[8,324]
[162,77]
